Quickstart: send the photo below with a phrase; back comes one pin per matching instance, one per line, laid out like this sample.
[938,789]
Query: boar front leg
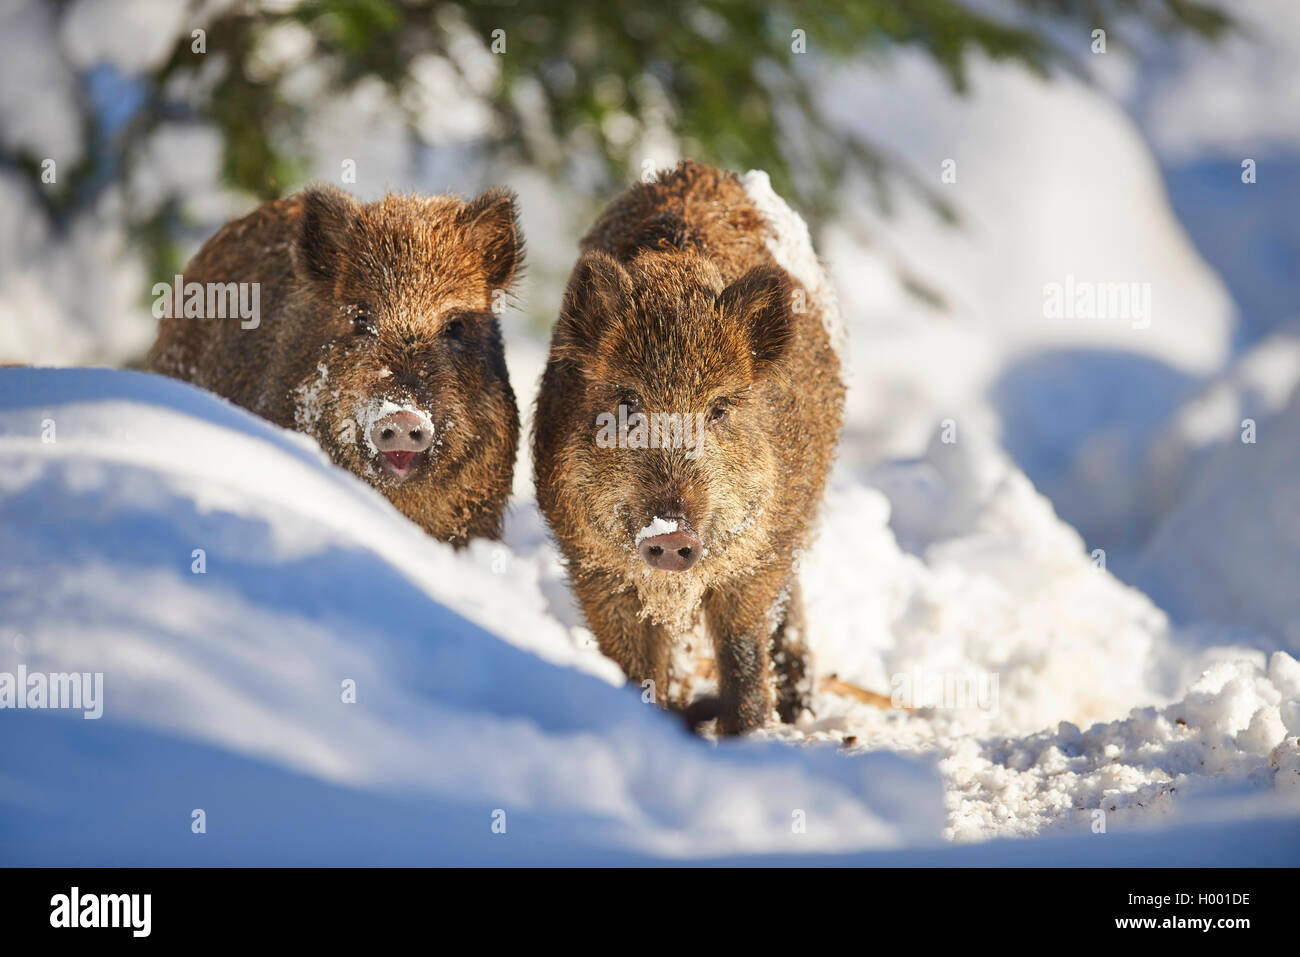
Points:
[790,659]
[640,647]
[740,621]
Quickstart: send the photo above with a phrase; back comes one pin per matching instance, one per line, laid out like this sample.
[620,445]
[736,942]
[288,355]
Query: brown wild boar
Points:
[377,336]
[686,423]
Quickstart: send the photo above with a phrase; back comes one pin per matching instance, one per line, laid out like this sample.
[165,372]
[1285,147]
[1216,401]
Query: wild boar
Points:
[378,336]
[687,420]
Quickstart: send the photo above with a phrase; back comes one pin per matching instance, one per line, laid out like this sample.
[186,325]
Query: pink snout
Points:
[672,552]
[400,438]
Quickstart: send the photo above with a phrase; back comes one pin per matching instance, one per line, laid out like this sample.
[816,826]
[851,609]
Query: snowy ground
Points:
[475,694]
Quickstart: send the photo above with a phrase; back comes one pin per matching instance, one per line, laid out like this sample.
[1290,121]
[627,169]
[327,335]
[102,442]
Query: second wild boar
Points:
[686,423]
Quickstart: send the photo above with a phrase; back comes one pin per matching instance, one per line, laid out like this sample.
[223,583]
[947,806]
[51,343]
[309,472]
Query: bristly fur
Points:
[677,302]
[428,271]
[666,231]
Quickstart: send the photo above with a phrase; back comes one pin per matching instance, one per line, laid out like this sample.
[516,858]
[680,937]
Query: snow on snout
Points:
[660,526]
[367,414]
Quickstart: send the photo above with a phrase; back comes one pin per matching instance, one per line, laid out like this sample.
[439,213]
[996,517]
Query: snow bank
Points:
[309,580]
[232,587]
[953,572]
[953,564]
[1256,386]
[1054,189]
[1234,734]
[1230,550]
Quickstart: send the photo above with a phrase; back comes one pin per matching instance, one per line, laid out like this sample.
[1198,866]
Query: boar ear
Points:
[760,300]
[327,215]
[492,226]
[597,293]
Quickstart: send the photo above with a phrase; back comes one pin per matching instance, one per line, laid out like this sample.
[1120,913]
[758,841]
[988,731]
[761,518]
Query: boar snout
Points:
[675,549]
[400,438]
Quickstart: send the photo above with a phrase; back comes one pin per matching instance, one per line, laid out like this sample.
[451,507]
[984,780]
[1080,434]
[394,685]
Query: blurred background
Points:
[953,159]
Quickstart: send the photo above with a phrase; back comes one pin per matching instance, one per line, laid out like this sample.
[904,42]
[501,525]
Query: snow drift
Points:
[231,586]
[310,580]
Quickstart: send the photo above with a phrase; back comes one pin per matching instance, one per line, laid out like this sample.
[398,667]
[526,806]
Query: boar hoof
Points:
[701,711]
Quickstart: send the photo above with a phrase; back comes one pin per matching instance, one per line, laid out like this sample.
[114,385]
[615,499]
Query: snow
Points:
[1056,780]
[1243,502]
[311,580]
[128,34]
[992,584]
[791,246]
[37,90]
[659,526]
[473,695]
[368,413]
[1051,181]
[1247,83]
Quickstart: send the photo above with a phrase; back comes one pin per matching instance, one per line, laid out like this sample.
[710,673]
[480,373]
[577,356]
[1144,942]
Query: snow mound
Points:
[953,565]
[232,587]
[952,574]
[1230,550]
[1236,726]
[1053,187]
[1256,386]
[235,589]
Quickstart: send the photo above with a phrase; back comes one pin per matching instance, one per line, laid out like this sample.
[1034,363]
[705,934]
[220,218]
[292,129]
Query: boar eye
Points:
[454,329]
[362,324]
[631,400]
[717,413]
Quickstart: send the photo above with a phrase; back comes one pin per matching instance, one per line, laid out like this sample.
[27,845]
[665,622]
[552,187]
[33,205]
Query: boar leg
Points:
[740,622]
[790,659]
[640,647]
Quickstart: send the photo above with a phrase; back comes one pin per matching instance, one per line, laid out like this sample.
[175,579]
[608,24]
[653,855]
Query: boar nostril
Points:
[673,552]
[400,432]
